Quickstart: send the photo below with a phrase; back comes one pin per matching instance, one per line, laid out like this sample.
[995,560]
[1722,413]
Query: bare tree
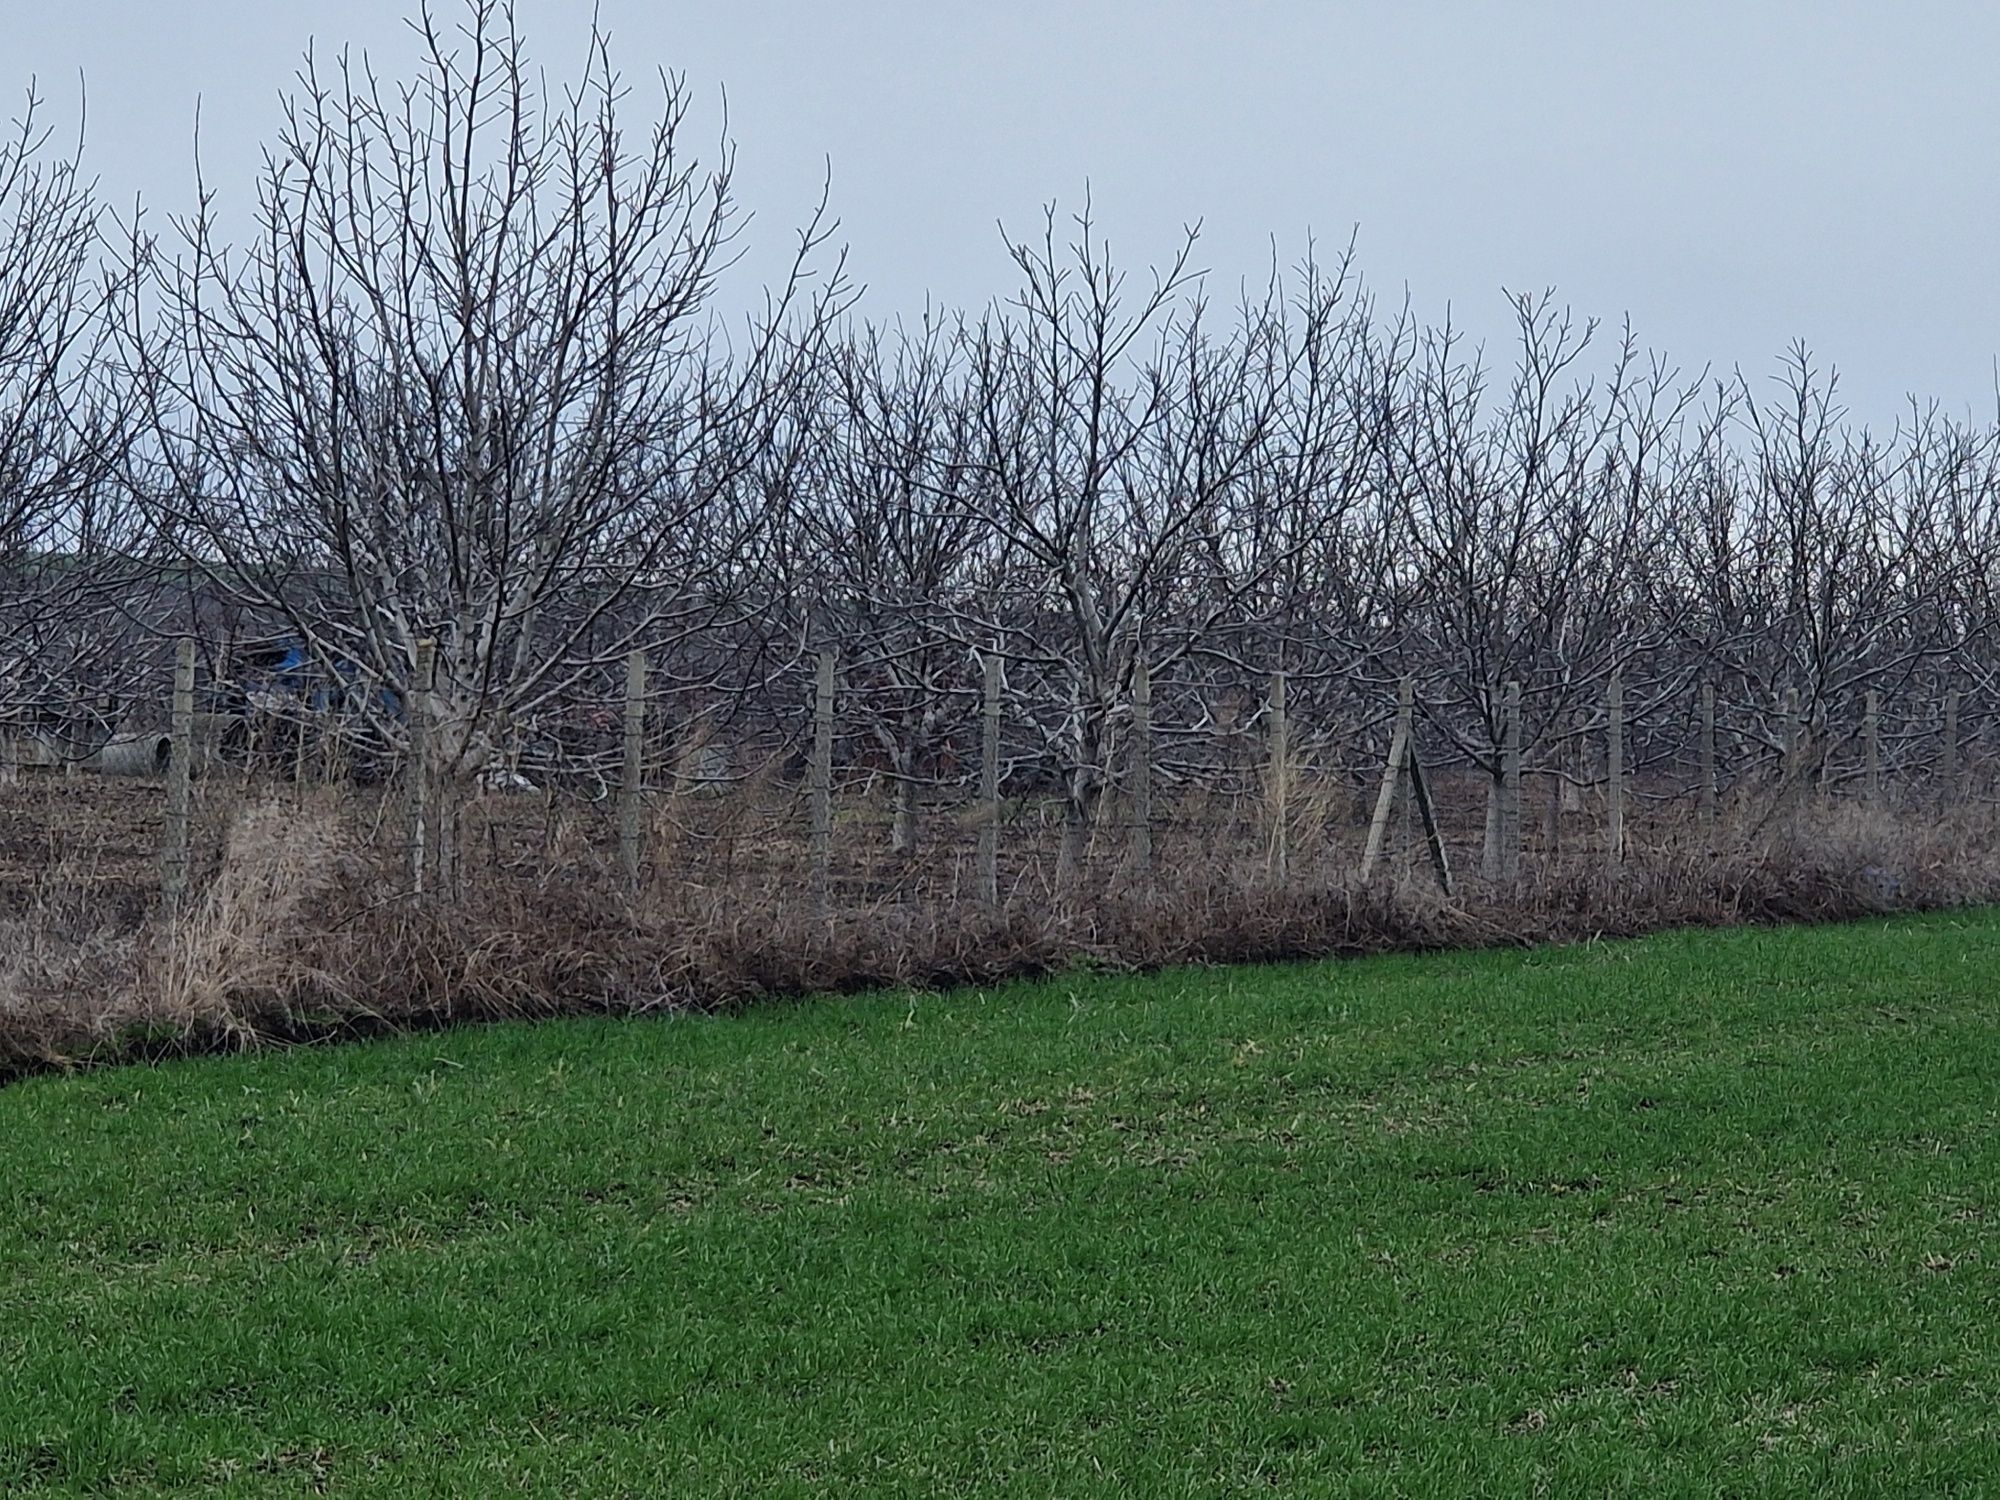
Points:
[1126,455]
[464,384]
[1856,569]
[61,426]
[889,523]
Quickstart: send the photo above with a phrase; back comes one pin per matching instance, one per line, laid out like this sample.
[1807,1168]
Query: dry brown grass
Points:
[298,929]
[60,962]
[242,936]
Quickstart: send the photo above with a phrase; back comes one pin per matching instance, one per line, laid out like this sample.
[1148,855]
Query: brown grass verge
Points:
[298,931]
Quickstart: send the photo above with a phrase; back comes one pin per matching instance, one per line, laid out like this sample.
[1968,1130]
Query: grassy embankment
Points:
[1703,1213]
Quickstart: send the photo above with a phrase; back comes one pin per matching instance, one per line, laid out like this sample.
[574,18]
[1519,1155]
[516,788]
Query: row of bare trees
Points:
[462,379]
[1081,480]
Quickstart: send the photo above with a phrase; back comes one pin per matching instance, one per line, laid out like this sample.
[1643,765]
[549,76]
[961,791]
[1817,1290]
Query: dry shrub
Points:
[238,944]
[1853,859]
[77,987]
[298,934]
[60,956]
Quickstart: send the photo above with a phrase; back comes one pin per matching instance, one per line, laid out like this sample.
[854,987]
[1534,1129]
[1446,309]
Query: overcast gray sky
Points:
[1733,175]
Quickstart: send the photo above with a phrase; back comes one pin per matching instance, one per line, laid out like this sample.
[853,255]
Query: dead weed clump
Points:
[238,945]
[75,987]
[61,955]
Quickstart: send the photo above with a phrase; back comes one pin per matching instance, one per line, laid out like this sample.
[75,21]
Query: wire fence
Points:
[840,801]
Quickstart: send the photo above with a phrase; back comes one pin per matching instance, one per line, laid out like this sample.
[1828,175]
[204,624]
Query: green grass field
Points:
[1703,1214]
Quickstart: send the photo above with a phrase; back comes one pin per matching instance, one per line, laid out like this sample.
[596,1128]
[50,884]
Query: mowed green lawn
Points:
[1704,1214]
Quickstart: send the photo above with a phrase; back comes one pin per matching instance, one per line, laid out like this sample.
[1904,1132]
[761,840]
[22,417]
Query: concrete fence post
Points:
[989,782]
[1142,769]
[822,780]
[1705,793]
[632,773]
[1510,785]
[1871,742]
[1392,771]
[180,777]
[422,788]
[1281,777]
[1614,771]
[1948,748]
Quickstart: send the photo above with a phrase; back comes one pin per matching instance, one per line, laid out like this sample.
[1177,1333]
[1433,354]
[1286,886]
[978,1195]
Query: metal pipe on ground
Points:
[133,755]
